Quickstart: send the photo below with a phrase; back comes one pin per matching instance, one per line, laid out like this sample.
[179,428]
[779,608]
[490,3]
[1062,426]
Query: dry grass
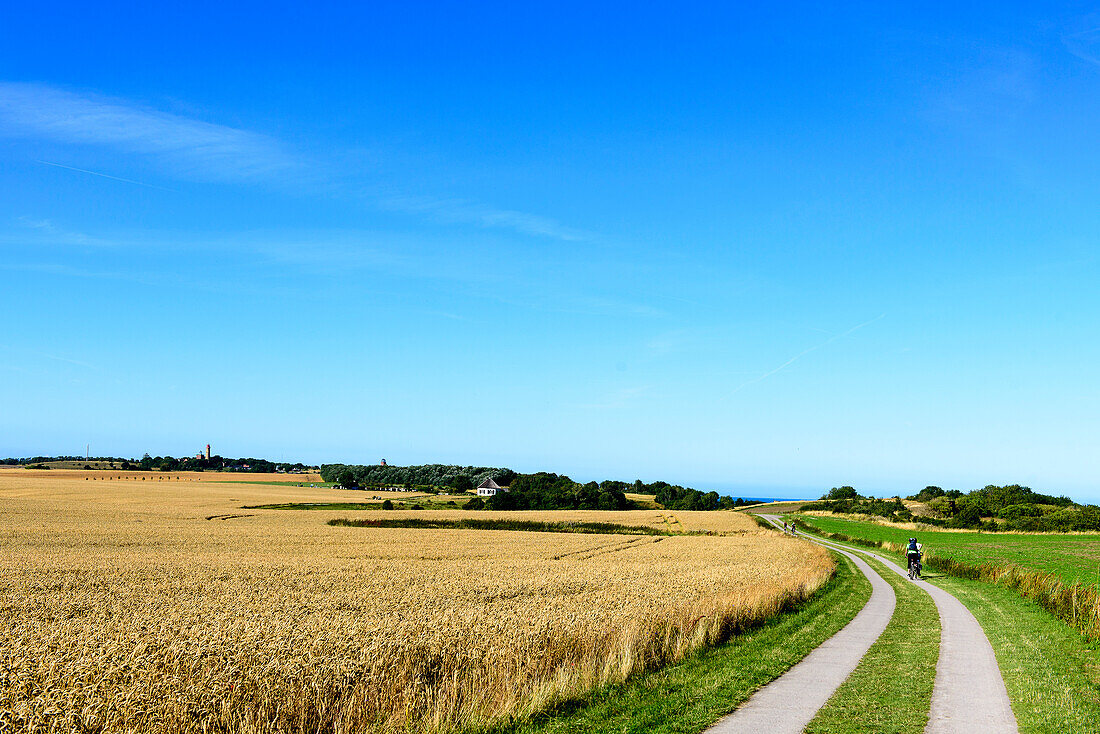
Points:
[123,609]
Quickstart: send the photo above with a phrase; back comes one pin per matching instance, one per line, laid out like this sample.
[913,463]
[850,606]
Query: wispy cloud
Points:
[66,360]
[102,175]
[567,302]
[619,398]
[1084,45]
[987,92]
[44,225]
[29,231]
[461,211]
[71,271]
[191,148]
[329,253]
[668,343]
[53,357]
[799,356]
[198,150]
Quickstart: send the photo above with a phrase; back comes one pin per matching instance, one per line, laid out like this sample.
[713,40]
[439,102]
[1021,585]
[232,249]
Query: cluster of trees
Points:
[675,497]
[539,491]
[547,491]
[991,497]
[214,463]
[672,497]
[846,499]
[169,463]
[425,476]
[47,459]
[1011,507]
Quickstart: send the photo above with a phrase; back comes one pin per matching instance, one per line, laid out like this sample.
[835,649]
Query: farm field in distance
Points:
[163,605]
[1071,556]
[67,470]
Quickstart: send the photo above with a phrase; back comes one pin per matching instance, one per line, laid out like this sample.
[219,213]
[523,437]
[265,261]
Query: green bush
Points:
[841,493]
[968,516]
[1015,512]
[890,509]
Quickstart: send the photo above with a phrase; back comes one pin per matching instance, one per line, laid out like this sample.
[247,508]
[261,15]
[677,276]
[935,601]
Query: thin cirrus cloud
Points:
[194,149]
[1085,45]
[800,355]
[190,148]
[466,212]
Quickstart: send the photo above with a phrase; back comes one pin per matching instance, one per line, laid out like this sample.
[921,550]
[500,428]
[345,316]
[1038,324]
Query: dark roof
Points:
[489,484]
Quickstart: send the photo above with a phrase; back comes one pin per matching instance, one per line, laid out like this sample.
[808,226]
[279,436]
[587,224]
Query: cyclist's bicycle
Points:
[914,568]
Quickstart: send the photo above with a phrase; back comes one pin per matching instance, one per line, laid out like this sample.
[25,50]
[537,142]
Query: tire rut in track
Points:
[791,701]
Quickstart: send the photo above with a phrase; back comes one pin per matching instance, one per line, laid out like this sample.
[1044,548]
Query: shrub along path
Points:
[789,703]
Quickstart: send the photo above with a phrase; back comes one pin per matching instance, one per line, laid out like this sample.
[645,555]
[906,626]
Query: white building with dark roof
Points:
[488,488]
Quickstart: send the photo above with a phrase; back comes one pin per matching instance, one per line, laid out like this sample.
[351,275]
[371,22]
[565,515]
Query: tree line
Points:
[425,476]
[991,508]
[26,461]
[169,463]
[537,491]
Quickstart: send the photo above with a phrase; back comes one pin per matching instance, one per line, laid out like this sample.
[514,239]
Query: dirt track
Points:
[788,703]
[969,693]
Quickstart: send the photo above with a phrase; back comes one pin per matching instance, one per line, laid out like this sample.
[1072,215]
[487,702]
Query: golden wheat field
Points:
[163,606]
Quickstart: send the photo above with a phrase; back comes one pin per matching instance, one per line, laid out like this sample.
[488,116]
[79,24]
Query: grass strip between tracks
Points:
[691,695]
[891,689]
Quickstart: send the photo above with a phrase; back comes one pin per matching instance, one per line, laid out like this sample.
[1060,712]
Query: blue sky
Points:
[767,250]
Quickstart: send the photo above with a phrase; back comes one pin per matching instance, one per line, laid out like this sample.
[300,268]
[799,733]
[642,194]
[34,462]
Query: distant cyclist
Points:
[913,553]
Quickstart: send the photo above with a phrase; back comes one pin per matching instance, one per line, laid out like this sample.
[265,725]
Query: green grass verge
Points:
[1071,557]
[891,689]
[763,523]
[691,695]
[1052,676]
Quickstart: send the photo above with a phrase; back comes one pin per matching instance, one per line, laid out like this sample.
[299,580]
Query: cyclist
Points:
[913,553]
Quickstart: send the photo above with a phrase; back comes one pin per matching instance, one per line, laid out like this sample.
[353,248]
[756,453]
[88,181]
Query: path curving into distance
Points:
[969,694]
[790,702]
